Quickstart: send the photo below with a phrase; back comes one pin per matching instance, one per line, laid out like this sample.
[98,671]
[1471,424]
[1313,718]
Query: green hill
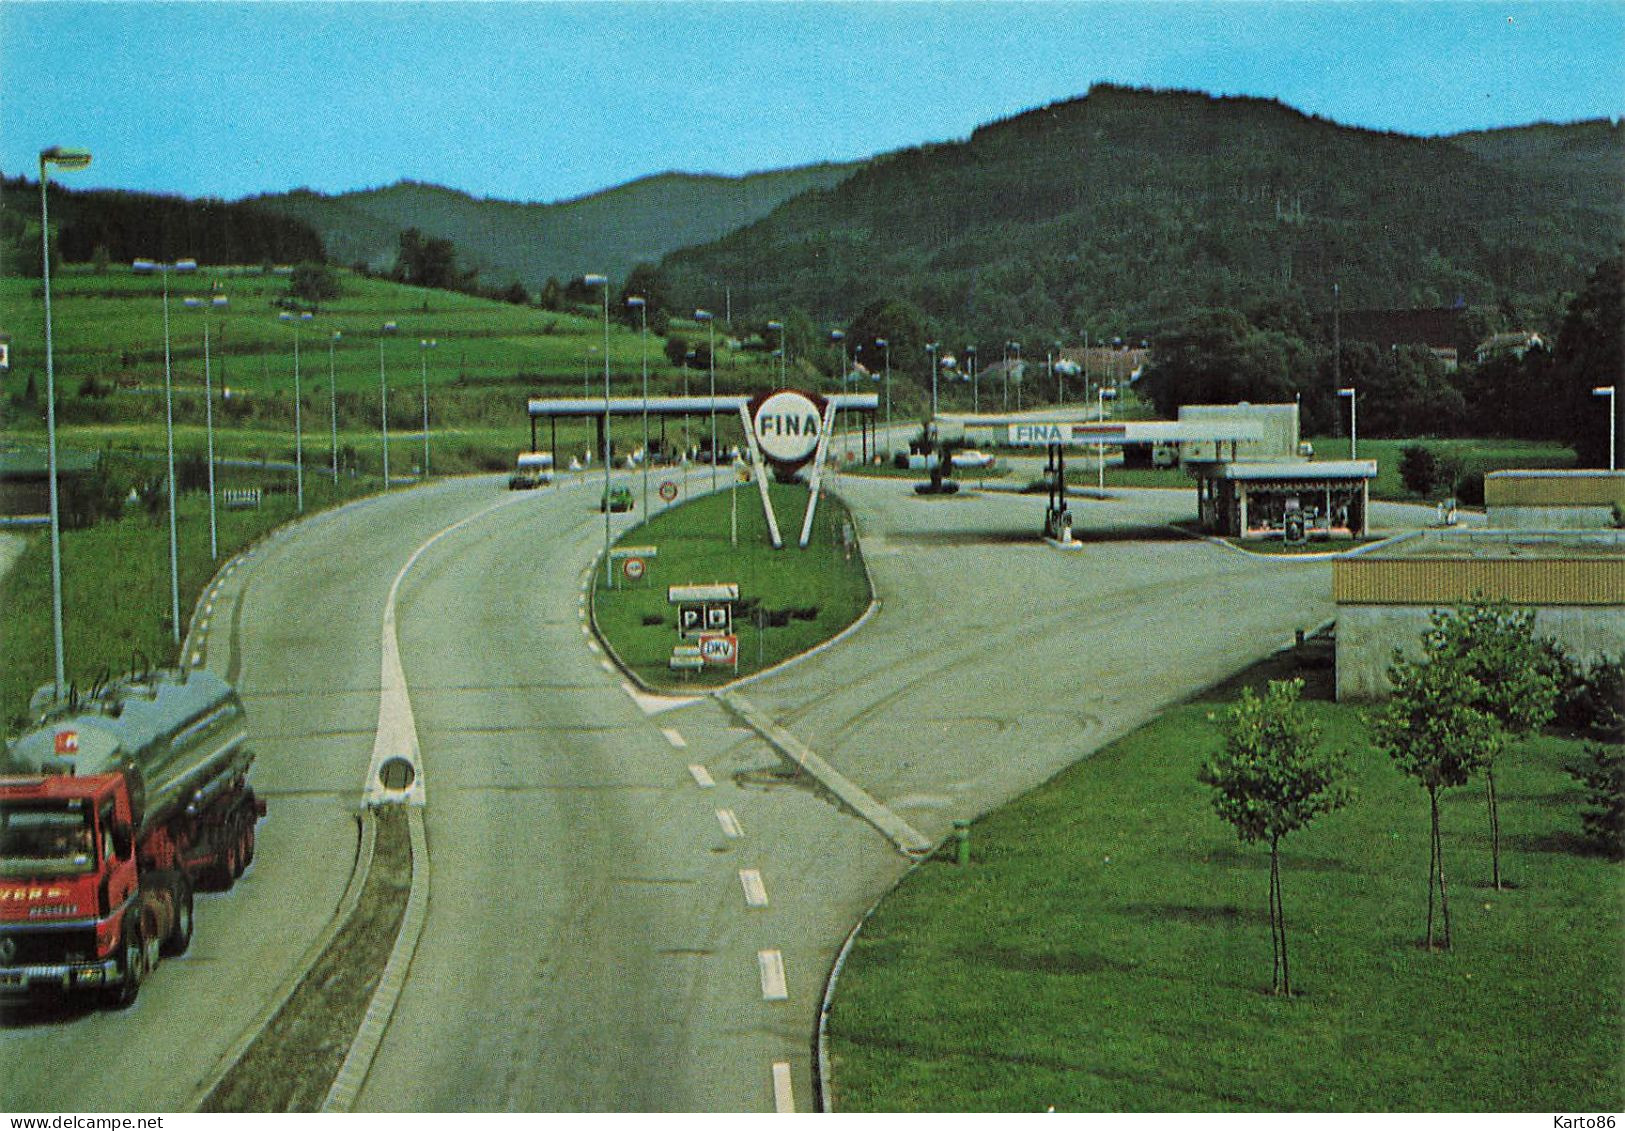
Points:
[606,232]
[1126,208]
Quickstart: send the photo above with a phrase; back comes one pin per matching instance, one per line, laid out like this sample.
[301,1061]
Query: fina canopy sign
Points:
[788,425]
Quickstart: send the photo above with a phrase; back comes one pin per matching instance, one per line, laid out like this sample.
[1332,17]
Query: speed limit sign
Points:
[632,568]
[668,490]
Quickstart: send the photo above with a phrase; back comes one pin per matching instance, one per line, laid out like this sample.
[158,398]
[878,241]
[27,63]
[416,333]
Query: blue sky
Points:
[541,102]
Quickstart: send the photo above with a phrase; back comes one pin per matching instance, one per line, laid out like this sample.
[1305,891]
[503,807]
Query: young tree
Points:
[1434,733]
[1495,645]
[1271,780]
[314,283]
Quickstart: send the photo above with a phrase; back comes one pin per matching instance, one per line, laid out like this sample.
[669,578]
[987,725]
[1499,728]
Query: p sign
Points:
[720,650]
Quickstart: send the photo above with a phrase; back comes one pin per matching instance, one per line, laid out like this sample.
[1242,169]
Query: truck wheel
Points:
[180,935]
[132,964]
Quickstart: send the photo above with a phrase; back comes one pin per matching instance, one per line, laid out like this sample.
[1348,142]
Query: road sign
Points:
[683,594]
[632,568]
[645,552]
[668,490]
[5,355]
[719,617]
[720,650]
[787,426]
[690,620]
[686,663]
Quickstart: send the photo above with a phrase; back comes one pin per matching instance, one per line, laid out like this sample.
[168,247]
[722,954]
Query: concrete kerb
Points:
[352,1074]
[1326,556]
[744,681]
[341,917]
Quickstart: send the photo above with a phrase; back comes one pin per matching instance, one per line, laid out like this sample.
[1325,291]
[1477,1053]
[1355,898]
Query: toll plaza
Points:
[784,430]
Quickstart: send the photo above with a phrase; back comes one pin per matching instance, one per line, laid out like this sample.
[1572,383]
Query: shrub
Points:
[1419,468]
[1604,816]
[1470,489]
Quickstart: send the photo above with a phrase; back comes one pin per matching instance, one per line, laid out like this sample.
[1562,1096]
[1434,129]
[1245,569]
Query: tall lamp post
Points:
[932,348]
[169,445]
[1610,391]
[424,346]
[298,410]
[975,381]
[784,350]
[1353,431]
[885,346]
[641,305]
[68,160]
[839,336]
[603,281]
[333,406]
[383,410]
[711,362]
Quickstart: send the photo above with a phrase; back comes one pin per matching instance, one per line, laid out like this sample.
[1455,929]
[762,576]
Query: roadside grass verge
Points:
[115,585]
[1108,949]
[1484,455]
[804,596]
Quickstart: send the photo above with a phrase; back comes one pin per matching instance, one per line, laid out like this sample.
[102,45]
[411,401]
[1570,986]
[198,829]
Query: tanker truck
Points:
[114,809]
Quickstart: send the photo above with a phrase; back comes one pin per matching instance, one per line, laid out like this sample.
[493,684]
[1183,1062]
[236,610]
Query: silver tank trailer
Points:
[177,735]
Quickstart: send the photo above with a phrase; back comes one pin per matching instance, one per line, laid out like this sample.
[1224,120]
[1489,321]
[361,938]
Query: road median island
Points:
[292,1062]
[789,600]
[1107,947]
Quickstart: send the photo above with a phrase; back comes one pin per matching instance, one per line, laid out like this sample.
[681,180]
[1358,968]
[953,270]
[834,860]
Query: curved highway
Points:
[632,906]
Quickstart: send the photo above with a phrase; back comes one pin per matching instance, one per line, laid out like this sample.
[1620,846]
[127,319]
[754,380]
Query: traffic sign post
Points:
[668,491]
[634,560]
[720,650]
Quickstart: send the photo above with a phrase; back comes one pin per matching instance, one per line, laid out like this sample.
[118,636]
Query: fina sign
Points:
[787,426]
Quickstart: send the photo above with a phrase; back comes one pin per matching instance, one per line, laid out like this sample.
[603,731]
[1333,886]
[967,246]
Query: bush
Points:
[1470,489]
[1604,816]
[85,500]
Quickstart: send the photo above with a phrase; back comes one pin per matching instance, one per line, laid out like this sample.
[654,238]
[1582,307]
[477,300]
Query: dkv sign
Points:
[788,426]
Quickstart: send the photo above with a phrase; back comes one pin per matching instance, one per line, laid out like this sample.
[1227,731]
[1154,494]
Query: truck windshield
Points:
[45,840]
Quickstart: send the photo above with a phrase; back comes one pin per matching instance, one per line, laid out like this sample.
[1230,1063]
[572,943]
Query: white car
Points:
[970,457]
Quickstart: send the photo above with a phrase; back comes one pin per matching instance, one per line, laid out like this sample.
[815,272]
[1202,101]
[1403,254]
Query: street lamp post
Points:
[784,350]
[298,417]
[1353,431]
[383,410]
[975,379]
[169,444]
[1016,348]
[885,346]
[641,305]
[932,348]
[68,160]
[840,336]
[333,406]
[1610,391]
[711,362]
[603,281]
[208,429]
[424,346]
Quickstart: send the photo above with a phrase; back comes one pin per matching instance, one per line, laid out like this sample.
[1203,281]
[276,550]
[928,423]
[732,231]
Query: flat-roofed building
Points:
[1574,582]
[1554,500]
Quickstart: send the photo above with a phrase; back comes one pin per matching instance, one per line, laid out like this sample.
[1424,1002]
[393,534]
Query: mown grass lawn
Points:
[806,596]
[1108,949]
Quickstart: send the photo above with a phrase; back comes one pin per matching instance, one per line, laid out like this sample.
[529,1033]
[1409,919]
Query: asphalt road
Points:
[635,911]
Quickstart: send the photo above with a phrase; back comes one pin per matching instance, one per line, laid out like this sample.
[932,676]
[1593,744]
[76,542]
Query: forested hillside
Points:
[606,232]
[1125,209]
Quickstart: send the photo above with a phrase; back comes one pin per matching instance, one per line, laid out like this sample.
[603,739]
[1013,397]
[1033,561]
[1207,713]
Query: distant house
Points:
[1441,329]
[1517,343]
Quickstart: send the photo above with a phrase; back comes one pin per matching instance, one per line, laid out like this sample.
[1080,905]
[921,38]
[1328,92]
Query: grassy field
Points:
[806,596]
[115,581]
[1108,949]
[1475,454]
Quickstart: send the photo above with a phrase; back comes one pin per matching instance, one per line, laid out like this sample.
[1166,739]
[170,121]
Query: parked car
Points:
[970,457]
[617,500]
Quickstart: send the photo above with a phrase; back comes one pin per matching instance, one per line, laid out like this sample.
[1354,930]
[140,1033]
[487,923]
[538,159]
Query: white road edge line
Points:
[755,890]
[701,776]
[784,1097]
[771,964]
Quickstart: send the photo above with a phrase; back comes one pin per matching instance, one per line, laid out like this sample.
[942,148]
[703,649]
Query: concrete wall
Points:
[1548,518]
[1368,634]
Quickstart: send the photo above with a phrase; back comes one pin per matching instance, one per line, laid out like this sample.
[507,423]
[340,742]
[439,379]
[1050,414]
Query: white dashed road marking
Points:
[673,737]
[771,963]
[784,1099]
[702,776]
[755,891]
[730,824]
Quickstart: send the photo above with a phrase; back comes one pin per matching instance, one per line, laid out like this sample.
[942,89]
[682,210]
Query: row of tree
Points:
[1277,353]
[104,226]
[1482,682]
